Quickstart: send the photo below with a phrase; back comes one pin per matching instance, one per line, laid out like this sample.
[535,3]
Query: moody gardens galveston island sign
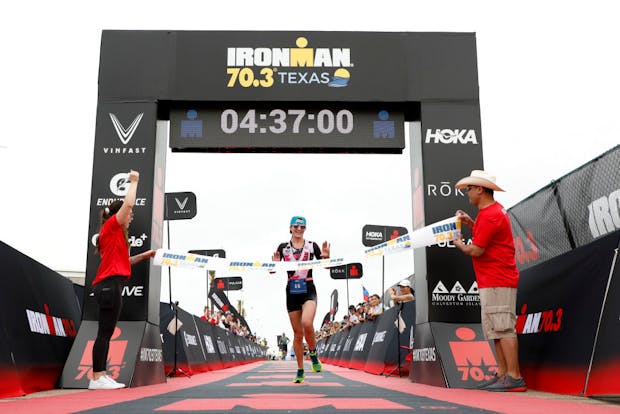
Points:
[254,91]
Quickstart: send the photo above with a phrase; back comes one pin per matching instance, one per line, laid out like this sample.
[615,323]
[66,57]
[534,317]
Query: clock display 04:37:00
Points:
[291,121]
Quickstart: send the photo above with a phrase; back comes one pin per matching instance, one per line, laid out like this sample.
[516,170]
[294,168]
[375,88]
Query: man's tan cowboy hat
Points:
[479,178]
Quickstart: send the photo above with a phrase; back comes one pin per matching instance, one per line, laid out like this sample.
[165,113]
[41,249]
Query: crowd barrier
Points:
[39,319]
[567,237]
[200,346]
[374,346]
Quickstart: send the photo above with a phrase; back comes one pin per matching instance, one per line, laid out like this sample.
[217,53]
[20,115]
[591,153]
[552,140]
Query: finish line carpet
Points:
[267,387]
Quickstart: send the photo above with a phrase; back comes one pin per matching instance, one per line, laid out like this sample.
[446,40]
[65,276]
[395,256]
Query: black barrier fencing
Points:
[576,209]
[559,305]
[39,320]
[200,346]
[374,346]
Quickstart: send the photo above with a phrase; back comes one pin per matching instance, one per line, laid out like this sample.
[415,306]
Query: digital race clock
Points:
[287,128]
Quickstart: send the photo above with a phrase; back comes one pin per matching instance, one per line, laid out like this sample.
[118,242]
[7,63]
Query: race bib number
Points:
[298,286]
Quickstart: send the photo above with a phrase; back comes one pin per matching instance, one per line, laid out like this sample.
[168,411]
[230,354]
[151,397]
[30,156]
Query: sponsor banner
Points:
[150,364]
[180,206]
[590,198]
[288,66]
[381,354]
[219,298]
[466,357]
[446,148]
[348,271]
[606,360]
[425,366]
[374,234]
[572,211]
[228,283]
[559,302]
[211,253]
[189,260]
[39,323]
[126,347]
[362,344]
[188,342]
[374,346]
[443,231]
[126,139]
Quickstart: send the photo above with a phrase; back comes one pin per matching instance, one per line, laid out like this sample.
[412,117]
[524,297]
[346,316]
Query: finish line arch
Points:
[247,91]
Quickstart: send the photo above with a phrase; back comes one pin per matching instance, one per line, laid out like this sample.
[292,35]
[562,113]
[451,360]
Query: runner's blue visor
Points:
[298,220]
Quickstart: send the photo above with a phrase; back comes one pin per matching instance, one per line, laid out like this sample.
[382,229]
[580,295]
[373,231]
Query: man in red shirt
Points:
[493,255]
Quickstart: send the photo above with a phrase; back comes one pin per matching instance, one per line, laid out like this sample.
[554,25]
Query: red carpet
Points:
[268,387]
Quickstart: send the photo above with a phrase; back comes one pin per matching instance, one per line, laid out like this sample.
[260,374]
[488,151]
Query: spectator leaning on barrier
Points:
[405,294]
[493,255]
[374,307]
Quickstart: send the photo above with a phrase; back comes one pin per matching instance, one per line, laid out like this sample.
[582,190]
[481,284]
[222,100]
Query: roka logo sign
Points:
[451,136]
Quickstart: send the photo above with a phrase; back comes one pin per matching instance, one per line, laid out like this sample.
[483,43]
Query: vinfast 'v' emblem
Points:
[123,133]
[181,205]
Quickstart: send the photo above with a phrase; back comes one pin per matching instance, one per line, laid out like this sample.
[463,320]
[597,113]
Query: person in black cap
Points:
[301,295]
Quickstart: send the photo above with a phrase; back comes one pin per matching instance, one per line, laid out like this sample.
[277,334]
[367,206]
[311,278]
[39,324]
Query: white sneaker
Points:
[104,383]
[117,385]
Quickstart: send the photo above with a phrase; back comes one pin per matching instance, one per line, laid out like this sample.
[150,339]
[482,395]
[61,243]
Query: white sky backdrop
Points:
[549,88]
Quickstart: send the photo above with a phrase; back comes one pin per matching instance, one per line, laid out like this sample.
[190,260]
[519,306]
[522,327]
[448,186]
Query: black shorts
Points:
[295,302]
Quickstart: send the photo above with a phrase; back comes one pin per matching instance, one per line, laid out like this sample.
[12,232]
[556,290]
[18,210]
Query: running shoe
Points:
[104,383]
[316,364]
[508,384]
[299,379]
[492,381]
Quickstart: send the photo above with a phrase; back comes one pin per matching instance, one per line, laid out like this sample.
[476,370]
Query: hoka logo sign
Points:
[604,214]
[451,136]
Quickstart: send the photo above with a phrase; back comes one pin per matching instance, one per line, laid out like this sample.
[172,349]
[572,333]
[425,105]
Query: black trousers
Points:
[108,294]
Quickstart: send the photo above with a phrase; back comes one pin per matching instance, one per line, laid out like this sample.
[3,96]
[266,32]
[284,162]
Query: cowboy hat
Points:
[479,178]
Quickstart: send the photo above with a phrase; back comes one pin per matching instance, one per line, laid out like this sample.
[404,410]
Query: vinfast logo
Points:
[604,214]
[125,134]
[451,136]
[180,203]
[457,296]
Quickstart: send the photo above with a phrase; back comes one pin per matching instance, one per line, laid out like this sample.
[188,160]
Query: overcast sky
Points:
[549,89]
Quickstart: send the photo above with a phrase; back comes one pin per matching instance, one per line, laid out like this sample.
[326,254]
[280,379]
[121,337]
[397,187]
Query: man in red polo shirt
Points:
[493,255]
